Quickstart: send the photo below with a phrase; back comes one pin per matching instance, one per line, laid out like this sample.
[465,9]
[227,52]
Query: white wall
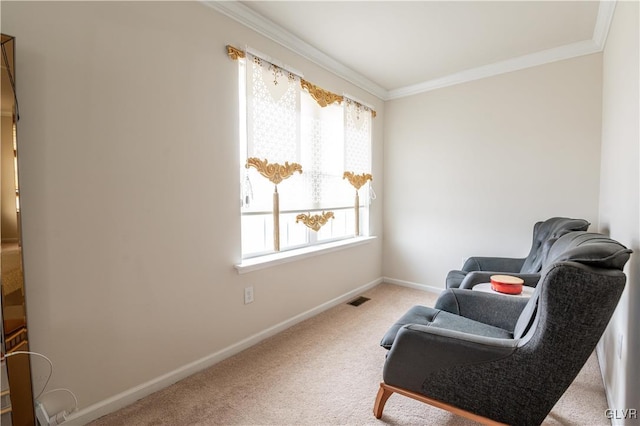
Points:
[128,143]
[619,349]
[470,168]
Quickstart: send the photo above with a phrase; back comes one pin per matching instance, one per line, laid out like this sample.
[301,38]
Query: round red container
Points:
[506,284]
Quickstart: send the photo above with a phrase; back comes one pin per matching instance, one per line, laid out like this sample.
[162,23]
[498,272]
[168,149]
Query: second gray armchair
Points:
[478,269]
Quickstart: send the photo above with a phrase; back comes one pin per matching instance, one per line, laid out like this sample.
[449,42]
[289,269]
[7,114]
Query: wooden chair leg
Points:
[386,391]
[383,394]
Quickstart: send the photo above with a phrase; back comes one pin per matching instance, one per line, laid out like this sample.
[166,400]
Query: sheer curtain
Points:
[283,122]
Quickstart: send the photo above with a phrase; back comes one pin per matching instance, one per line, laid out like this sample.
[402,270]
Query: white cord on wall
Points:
[75,399]
[40,355]
[61,416]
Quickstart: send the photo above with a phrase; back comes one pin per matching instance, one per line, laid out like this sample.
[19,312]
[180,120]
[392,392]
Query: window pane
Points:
[292,234]
[259,192]
[257,233]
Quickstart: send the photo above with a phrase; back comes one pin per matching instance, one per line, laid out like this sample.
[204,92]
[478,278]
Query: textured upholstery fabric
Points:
[544,343]
[543,231]
[528,268]
[493,309]
[527,317]
[590,249]
[431,317]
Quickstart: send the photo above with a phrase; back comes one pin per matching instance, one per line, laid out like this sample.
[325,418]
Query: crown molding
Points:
[573,50]
[568,51]
[603,22]
[247,17]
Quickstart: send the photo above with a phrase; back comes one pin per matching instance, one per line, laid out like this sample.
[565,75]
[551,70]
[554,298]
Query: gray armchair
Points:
[491,357]
[478,269]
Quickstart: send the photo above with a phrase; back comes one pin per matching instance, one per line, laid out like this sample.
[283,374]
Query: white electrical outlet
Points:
[248,295]
[41,414]
[43,418]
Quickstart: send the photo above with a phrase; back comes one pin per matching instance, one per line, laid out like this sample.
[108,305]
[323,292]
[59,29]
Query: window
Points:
[284,127]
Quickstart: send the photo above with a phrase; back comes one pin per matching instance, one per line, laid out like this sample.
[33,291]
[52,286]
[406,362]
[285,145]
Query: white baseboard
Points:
[130,396]
[601,356]
[430,289]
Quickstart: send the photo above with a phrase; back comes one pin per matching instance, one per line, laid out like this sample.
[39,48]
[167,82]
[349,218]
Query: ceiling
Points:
[393,49]
[398,48]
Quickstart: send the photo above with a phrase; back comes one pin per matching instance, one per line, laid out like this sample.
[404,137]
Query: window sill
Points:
[262,262]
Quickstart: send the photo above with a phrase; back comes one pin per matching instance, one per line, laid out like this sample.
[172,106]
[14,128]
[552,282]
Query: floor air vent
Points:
[359,301]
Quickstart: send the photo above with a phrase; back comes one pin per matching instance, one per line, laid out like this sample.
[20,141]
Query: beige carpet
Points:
[325,371]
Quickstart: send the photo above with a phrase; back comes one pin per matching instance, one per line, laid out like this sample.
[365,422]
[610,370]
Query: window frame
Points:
[312,244]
